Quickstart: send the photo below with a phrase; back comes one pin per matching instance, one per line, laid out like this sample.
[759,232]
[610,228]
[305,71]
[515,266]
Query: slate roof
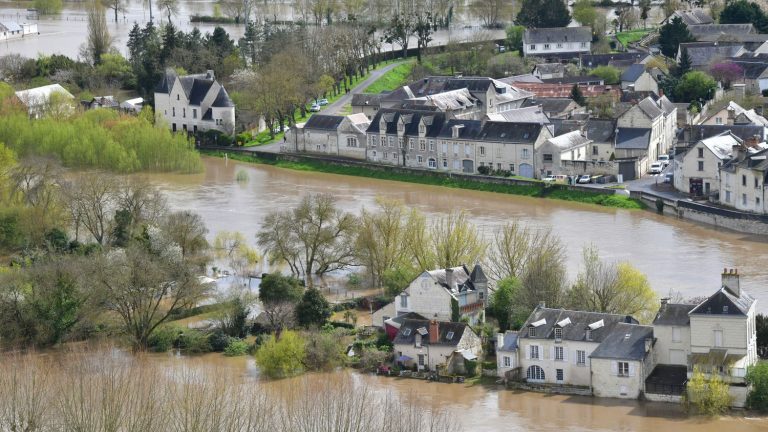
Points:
[439,84]
[398,320]
[323,122]
[478,275]
[673,314]
[707,30]
[749,115]
[581,79]
[703,53]
[529,114]
[10,26]
[510,342]
[449,100]
[721,145]
[649,107]
[199,89]
[557,34]
[222,100]
[510,132]
[698,132]
[577,324]
[633,72]
[553,105]
[601,131]
[595,60]
[692,17]
[510,80]
[633,138]
[411,327]
[625,342]
[549,68]
[470,129]
[666,105]
[434,121]
[752,68]
[561,126]
[724,297]
[364,99]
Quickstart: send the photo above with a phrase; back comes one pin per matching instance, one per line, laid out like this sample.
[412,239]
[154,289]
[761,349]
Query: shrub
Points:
[707,395]
[757,377]
[471,367]
[371,358]
[236,347]
[219,341]
[282,358]
[325,350]
[164,338]
[194,341]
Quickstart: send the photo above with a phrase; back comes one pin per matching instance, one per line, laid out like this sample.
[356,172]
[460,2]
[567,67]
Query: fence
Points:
[665,389]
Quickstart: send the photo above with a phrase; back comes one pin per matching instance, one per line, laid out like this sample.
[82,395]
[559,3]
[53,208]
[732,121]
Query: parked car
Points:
[656,168]
[322,102]
[664,159]
[668,178]
[314,108]
[584,179]
[559,178]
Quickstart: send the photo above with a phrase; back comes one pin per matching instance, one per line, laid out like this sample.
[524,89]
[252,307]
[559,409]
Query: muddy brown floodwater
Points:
[675,255]
[492,408]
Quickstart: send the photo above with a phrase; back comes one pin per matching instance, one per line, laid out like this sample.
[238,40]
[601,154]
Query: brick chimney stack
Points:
[731,281]
[434,332]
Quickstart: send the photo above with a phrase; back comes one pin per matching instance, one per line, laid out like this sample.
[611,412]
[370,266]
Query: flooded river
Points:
[675,255]
[492,408]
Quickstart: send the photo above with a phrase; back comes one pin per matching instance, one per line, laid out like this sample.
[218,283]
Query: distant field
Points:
[392,79]
[631,36]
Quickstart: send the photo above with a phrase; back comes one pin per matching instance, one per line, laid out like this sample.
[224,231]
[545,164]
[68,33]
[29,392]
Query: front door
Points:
[526,170]
[421,361]
[468,166]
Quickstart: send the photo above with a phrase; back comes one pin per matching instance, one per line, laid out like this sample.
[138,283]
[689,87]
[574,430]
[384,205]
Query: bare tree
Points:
[514,246]
[116,6]
[187,229]
[382,242]
[99,40]
[449,241]
[92,200]
[171,7]
[490,12]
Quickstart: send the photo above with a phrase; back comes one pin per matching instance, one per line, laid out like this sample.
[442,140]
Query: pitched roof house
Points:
[697,170]
[194,103]
[703,54]
[429,344]
[37,100]
[636,78]
[691,17]
[548,70]
[330,135]
[557,43]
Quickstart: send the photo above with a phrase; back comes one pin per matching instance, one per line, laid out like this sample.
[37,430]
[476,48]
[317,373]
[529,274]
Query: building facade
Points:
[429,344]
[330,135]
[560,42]
[193,103]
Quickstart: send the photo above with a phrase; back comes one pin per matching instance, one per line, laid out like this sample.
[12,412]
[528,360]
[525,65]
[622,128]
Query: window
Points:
[422,129]
[173,111]
[194,113]
[558,333]
[422,145]
[420,159]
[701,165]
[431,145]
[449,336]
[403,300]
[718,120]
[756,183]
[351,142]
[507,361]
[177,97]
[701,152]
[445,148]
[594,150]
[534,351]
[532,47]
[546,46]
[676,334]
[432,163]
[757,202]
[559,353]
[589,334]
[482,151]
[581,357]
[498,166]
[535,373]
[445,163]
[743,199]
[743,180]
[417,340]
[559,45]
[184,112]
[421,359]
[456,164]
[467,149]
[531,331]
[511,167]
[718,338]
[623,369]
[727,196]
[407,332]
[410,144]
[583,44]
[480,295]
[400,143]
[548,157]
[455,149]
[391,141]
[559,375]
[524,154]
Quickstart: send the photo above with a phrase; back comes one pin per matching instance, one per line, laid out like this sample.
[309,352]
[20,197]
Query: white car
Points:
[314,108]
[584,179]
[664,159]
[656,168]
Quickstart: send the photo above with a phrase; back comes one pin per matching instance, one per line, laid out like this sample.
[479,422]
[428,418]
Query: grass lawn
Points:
[392,79]
[628,37]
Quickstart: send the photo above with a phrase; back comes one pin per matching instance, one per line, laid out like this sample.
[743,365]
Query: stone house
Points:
[697,171]
[636,78]
[427,139]
[557,43]
[754,73]
[506,354]
[557,108]
[657,117]
[441,294]
[742,178]
[366,103]
[330,135]
[691,17]
[456,104]
[428,344]
[622,362]
[571,146]
[193,103]
[544,71]
[734,114]
[555,345]
[672,328]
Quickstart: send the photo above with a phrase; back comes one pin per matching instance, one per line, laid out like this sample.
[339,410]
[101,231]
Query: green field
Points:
[391,80]
[628,37]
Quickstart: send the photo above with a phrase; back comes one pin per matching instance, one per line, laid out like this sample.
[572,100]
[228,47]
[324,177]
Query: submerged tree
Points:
[99,40]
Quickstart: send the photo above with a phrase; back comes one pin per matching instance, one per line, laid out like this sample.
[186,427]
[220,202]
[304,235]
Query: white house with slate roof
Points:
[555,345]
[672,328]
[330,135]
[622,362]
[435,294]
[429,343]
[193,103]
[571,146]
[647,129]
[506,353]
[10,30]
[636,78]
[698,170]
[560,42]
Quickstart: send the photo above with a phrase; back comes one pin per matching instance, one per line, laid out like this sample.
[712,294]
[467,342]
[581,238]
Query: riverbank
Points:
[528,188]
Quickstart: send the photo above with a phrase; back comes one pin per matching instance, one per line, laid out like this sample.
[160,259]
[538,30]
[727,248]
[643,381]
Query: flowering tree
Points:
[726,73]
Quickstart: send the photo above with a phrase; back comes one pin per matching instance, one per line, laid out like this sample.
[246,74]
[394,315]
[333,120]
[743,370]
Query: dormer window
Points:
[422,129]
[589,334]
[558,334]
[400,127]
[725,309]
[407,332]
[531,331]
[449,336]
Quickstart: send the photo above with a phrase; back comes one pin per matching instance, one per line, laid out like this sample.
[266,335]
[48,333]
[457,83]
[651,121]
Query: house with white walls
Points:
[556,43]
[427,344]
[506,354]
[192,103]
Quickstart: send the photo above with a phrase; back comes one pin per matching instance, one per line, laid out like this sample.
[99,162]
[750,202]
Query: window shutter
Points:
[552,353]
[527,352]
[575,357]
[614,368]
[565,354]
[631,369]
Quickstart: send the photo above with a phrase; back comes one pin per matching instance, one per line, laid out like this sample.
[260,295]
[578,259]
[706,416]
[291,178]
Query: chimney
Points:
[542,304]
[499,340]
[434,332]
[449,278]
[661,92]
[731,117]
[209,74]
[664,302]
[731,281]
[738,153]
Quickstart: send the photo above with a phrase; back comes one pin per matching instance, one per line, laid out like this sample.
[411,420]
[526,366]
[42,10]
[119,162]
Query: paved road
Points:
[335,107]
